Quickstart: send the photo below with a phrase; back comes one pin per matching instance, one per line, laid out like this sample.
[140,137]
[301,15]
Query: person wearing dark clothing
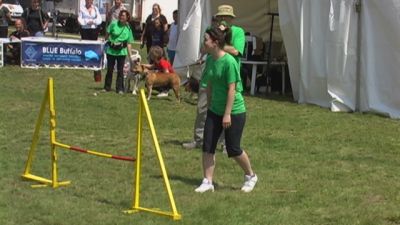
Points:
[15,48]
[35,19]
[158,34]
[5,17]
[149,28]
[120,38]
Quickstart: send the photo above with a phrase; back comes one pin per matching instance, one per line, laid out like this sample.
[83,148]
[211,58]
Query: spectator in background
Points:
[5,17]
[148,29]
[158,34]
[225,17]
[161,64]
[173,37]
[89,18]
[35,19]
[120,37]
[15,48]
[114,11]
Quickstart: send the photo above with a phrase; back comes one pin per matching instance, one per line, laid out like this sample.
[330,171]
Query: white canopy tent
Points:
[338,57]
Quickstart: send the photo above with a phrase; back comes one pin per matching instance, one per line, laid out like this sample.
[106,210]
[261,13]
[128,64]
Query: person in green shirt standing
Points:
[226,110]
[223,18]
[120,37]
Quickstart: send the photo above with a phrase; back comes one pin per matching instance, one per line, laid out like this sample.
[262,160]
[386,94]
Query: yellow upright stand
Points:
[144,109]
[47,100]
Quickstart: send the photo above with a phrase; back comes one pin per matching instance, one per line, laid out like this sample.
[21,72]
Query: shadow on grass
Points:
[189,101]
[186,180]
[196,181]
[173,142]
[288,97]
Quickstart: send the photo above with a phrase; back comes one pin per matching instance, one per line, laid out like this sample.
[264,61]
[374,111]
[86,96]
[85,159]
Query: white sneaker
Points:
[162,95]
[205,186]
[249,183]
[191,145]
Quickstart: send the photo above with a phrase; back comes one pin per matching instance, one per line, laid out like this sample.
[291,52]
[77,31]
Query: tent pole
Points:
[358,66]
[269,85]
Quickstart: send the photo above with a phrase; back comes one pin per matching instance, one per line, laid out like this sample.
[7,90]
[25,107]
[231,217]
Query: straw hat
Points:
[225,10]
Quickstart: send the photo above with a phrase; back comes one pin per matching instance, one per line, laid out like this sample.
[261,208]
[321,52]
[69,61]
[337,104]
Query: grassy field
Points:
[314,166]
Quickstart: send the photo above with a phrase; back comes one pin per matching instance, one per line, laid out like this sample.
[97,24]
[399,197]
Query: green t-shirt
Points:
[238,41]
[119,33]
[219,74]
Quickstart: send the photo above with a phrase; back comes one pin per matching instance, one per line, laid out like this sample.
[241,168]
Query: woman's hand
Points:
[226,121]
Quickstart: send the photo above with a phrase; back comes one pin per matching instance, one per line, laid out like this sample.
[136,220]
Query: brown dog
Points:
[158,79]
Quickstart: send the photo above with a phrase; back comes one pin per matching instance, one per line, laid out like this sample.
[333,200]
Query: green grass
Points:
[314,166]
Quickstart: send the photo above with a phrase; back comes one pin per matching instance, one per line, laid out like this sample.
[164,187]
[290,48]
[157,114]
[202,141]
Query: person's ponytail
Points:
[217,34]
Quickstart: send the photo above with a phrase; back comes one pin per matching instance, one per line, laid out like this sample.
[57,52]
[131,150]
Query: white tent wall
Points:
[380,57]
[321,40]
[194,18]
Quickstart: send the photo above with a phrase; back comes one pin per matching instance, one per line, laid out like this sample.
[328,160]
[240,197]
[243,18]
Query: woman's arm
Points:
[45,20]
[231,50]
[226,120]
[148,66]
[142,37]
[98,19]
[165,22]
[129,46]
[81,21]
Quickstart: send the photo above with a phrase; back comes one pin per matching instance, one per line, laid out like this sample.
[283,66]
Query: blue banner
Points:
[61,54]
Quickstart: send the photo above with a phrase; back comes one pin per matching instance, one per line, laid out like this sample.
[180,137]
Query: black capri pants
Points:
[213,129]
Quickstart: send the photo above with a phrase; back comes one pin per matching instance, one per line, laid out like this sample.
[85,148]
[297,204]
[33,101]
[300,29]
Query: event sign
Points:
[66,53]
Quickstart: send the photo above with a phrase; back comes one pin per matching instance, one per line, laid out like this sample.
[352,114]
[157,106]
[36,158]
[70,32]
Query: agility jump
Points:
[55,183]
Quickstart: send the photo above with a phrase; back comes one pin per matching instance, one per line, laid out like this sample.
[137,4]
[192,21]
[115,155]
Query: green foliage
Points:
[314,166]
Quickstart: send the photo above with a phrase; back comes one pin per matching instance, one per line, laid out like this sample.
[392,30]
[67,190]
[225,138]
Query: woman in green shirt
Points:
[120,37]
[226,110]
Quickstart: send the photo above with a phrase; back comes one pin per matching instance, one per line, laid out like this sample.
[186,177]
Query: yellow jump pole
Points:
[52,112]
[138,155]
[36,133]
[53,141]
[48,98]
[175,215]
[136,192]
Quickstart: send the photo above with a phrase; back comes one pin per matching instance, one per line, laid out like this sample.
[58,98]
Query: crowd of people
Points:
[221,111]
